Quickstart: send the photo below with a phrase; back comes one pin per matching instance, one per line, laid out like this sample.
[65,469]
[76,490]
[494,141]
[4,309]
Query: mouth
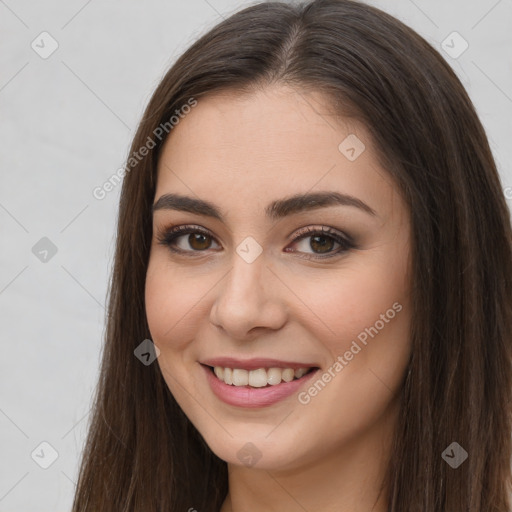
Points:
[256,383]
[259,377]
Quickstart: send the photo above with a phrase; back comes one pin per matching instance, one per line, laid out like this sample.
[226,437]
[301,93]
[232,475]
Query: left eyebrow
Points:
[277,209]
[302,202]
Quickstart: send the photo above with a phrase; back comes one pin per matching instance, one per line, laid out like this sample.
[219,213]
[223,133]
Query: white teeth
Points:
[288,375]
[240,377]
[300,372]
[274,376]
[228,376]
[258,378]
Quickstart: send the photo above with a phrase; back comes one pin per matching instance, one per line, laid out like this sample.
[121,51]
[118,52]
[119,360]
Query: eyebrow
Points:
[276,210]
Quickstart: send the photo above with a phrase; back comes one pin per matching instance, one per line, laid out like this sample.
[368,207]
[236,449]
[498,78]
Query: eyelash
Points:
[169,236]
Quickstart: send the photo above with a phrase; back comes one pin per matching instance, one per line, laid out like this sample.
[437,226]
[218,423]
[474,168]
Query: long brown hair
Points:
[143,454]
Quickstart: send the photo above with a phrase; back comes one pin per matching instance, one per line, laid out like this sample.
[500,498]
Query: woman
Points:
[311,300]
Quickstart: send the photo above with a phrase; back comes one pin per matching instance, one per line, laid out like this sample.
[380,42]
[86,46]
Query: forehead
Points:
[248,148]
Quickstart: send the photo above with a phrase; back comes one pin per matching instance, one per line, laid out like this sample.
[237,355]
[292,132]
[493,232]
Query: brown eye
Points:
[322,244]
[175,239]
[199,241]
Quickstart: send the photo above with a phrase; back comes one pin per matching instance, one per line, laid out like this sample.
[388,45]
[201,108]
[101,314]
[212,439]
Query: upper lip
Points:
[254,363]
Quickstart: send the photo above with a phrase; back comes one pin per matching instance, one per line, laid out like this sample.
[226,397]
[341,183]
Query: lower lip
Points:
[246,396]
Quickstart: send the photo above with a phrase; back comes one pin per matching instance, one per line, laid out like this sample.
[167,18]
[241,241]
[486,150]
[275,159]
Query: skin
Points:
[240,152]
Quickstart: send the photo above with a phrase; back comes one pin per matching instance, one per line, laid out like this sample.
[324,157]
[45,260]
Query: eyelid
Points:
[168,235]
[332,232]
[344,240]
[171,233]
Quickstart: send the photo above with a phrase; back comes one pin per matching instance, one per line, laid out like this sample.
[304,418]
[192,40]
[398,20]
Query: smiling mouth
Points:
[259,378]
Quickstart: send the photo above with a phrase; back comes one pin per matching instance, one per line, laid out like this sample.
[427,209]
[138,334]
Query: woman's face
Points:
[256,288]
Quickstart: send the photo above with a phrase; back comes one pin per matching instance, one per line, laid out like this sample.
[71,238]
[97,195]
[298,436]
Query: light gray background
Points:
[66,123]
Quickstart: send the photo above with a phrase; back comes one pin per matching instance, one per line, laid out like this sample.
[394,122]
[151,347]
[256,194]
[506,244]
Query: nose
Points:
[249,300]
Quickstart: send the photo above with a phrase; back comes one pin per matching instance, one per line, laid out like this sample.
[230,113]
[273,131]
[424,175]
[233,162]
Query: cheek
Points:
[345,305]
[174,302]
[365,326]
[171,309]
